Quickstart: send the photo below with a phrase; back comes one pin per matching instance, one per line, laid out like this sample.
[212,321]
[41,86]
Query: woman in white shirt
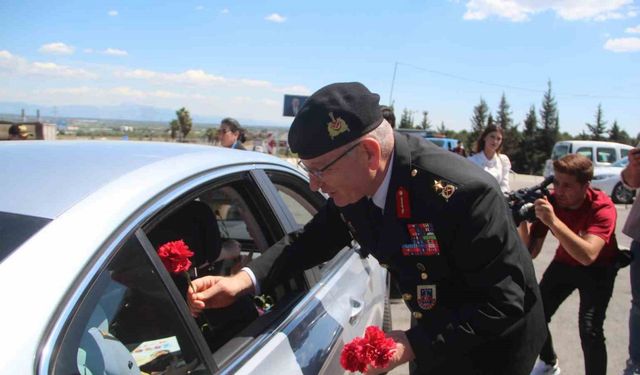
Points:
[489,158]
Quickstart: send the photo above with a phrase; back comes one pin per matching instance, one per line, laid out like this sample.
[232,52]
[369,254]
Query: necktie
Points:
[375,219]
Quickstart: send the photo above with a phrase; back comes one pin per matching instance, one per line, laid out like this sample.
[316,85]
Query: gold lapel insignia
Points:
[336,126]
[444,189]
[414,172]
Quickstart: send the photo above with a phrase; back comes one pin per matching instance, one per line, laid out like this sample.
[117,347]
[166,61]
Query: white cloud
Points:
[192,77]
[87,50]
[200,7]
[225,11]
[633,30]
[114,52]
[20,66]
[570,10]
[57,48]
[623,45]
[275,17]
[112,13]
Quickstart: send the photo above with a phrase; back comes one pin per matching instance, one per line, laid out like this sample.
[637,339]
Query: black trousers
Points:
[595,285]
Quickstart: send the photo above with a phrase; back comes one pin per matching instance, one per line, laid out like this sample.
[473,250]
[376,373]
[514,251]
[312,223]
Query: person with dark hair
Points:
[489,158]
[231,134]
[584,222]
[387,114]
[439,224]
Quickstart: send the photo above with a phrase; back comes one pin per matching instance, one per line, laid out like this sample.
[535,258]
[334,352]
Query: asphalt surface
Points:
[564,324]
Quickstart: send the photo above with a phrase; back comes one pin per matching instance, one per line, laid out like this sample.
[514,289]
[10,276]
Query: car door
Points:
[349,295]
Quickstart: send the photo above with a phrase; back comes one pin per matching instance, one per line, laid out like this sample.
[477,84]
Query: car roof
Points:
[35,171]
[587,142]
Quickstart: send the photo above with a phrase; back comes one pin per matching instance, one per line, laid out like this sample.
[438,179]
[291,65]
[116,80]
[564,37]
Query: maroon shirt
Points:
[597,216]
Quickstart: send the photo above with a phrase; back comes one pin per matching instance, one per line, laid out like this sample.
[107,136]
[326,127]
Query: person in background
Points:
[271,144]
[489,158]
[459,149]
[387,114]
[439,224]
[18,132]
[231,134]
[584,222]
[631,177]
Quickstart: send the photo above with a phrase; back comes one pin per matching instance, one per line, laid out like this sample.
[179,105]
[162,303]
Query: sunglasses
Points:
[319,172]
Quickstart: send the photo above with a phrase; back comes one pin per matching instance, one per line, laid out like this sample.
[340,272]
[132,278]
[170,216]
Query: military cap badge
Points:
[336,126]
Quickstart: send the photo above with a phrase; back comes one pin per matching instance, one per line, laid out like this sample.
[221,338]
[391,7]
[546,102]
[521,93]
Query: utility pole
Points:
[393,81]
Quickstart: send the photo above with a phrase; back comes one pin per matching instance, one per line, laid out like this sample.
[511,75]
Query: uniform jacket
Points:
[450,242]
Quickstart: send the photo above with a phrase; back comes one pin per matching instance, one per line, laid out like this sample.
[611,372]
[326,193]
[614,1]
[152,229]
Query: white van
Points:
[601,154]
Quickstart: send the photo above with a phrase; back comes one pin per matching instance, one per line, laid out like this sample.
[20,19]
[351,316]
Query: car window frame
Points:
[102,256]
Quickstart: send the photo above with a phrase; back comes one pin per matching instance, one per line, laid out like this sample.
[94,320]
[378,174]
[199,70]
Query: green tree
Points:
[618,135]
[478,122]
[598,128]
[511,141]
[549,119]
[174,128]
[184,121]
[526,160]
[425,124]
[406,121]
[442,129]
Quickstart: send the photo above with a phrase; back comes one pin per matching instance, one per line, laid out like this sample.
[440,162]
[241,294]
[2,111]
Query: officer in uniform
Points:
[438,223]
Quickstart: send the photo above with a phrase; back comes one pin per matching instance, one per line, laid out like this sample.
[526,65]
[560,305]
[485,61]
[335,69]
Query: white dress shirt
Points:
[498,166]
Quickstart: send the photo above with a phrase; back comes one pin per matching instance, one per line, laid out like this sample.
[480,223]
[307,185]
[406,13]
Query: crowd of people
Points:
[485,313]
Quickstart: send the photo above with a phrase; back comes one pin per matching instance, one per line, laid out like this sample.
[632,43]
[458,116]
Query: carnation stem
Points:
[193,288]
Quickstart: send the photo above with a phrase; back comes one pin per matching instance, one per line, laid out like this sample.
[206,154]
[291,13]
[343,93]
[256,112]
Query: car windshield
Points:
[438,142]
[16,229]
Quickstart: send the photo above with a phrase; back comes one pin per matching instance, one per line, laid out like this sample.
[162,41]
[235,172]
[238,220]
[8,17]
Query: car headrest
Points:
[196,225]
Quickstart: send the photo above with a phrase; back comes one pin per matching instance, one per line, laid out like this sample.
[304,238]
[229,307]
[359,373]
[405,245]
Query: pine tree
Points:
[618,135]
[598,128]
[549,119]
[425,124]
[511,135]
[526,159]
[478,122]
[406,121]
[442,129]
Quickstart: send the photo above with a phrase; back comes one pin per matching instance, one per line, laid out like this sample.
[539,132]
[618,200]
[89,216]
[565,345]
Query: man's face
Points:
[346,179]
[569,192]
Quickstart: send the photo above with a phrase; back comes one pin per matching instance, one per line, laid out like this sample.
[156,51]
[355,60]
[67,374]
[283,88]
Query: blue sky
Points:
[238,58]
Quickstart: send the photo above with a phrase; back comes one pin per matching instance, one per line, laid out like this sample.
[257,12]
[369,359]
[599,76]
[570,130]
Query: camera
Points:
[521,201]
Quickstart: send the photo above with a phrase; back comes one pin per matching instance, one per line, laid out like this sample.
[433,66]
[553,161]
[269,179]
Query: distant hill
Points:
[131,112]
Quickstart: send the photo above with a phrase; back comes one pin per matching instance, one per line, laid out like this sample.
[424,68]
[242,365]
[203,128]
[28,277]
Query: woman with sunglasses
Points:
[231,134]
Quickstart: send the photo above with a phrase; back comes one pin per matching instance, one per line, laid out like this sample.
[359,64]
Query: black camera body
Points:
[521,201]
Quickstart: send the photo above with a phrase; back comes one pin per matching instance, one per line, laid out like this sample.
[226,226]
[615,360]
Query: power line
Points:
[511,87]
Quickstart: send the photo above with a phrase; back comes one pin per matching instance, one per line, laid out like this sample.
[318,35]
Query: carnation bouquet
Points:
[374,349]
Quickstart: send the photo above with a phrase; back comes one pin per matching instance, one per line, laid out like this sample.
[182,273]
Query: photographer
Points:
[583,220]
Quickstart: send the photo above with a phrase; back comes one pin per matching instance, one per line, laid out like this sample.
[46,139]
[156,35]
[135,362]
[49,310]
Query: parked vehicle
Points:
[601,154]
[437,139]
[608,180]
[84,291]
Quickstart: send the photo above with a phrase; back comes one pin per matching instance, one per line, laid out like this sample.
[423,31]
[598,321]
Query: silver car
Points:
[84,291]
[608,180]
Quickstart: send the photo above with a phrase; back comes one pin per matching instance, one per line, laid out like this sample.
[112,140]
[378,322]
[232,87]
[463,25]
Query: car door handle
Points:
[357,307]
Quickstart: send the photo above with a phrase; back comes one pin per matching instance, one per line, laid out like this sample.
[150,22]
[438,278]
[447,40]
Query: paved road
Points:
[564,325]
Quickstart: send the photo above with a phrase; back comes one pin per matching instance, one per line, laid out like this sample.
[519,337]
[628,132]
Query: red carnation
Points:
[175,256]
[373,349]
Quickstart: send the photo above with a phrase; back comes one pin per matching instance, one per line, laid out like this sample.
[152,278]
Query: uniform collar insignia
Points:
[336,126]
[444,189]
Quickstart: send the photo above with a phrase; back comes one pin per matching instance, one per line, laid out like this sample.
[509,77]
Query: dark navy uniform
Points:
[446,236]
[470,284]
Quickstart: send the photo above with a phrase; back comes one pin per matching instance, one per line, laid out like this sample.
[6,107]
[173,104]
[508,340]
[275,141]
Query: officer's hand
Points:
[544,211]
[215,291]
[403,353]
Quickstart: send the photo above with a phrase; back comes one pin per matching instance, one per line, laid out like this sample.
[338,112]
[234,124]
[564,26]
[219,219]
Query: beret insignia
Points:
[336,126]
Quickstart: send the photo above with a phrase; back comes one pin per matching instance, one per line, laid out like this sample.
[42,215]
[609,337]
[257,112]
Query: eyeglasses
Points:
[318,172]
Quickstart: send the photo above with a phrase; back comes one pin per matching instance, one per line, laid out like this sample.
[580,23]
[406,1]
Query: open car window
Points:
[127,324]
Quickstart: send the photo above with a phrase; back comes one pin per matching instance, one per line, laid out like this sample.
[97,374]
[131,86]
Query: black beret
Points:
[332,117]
